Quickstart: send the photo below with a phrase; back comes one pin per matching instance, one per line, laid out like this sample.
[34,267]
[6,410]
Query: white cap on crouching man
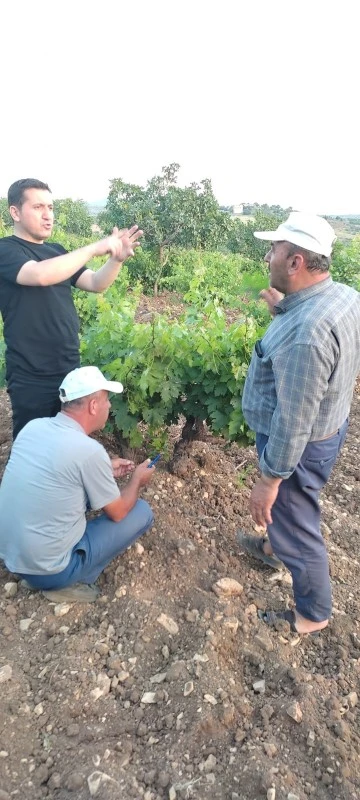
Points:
[304,230]
[86,380]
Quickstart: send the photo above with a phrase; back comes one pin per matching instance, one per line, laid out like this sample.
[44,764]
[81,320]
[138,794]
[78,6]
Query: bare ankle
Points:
[304,625]
[267,548]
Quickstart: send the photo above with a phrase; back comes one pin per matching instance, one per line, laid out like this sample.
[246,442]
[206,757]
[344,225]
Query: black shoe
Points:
[254,545]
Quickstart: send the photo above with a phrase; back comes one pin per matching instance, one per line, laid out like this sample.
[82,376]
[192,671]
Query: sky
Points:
[261,97]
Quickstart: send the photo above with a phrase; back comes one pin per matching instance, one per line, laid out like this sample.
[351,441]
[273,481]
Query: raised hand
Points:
[271,297]
[121,244]
[111,245]
[129,239]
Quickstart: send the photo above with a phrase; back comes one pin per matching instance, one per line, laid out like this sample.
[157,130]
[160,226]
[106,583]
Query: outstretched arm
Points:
[58,269]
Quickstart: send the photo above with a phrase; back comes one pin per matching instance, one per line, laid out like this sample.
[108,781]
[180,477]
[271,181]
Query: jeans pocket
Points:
[318,471]
[319,459]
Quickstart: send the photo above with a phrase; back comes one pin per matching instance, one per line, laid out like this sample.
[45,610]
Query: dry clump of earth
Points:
[169,686]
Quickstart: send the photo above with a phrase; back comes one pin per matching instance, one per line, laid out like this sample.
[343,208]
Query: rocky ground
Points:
[169,686]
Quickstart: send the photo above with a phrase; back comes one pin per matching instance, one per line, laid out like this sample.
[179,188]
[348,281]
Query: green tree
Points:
[345,266]
[277,211]
[169,215]
[73,216]
[242,240]
[5,216]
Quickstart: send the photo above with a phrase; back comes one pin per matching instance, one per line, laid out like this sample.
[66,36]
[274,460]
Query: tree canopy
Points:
[73,216]
[241,237]
[169,215]
[5,216]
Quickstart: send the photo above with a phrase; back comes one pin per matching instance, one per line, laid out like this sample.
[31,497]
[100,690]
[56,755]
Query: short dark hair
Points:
[315,262]
[17,189]
[77,402]
[69,404]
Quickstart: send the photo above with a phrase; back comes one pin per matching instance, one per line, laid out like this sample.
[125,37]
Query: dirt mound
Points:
[169,687]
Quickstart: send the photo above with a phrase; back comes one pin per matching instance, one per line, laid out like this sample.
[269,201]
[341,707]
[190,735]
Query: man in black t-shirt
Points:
[41,328]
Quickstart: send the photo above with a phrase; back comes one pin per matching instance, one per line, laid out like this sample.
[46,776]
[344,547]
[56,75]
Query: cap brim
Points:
[114,386]
[268,236]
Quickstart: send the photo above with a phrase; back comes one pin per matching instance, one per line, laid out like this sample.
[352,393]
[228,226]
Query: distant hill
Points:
[343,216]
[345,227]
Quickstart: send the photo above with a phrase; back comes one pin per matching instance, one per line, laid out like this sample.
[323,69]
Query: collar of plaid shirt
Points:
[295,298]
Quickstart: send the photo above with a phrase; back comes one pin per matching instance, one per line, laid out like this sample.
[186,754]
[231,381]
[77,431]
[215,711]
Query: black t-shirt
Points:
[41,327]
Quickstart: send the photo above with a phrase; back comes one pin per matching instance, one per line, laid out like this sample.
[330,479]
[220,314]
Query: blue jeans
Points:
[295,530]
[102,541]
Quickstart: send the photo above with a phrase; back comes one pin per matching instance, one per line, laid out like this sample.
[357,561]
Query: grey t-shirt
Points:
[54,472]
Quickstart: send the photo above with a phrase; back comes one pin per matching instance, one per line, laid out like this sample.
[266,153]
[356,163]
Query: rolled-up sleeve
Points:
[98,480]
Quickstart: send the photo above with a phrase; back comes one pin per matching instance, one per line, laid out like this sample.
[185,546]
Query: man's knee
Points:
[144,515]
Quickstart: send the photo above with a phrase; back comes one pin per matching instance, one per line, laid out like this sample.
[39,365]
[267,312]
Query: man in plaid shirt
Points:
[297,399]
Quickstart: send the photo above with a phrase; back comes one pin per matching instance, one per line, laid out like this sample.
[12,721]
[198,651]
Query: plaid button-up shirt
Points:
[302,373]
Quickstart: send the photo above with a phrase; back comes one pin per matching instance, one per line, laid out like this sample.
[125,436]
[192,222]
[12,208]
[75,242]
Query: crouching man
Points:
[56,472]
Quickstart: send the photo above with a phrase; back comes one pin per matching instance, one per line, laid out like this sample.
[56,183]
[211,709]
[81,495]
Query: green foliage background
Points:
[195,366]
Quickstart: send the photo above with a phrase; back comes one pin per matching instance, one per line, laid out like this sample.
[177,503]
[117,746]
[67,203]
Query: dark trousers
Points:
[295,530]
[32,398]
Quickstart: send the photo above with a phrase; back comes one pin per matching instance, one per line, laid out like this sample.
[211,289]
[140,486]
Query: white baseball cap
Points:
[86,380]
[305,230]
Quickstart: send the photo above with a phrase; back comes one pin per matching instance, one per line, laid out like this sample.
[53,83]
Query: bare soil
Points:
[105,701]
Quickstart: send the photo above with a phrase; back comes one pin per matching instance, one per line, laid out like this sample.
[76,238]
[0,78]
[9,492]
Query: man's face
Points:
[103,409]
[34,220]
[278,260]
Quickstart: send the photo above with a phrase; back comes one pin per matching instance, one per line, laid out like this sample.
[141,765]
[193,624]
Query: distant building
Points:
[237,210]
[95,228]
